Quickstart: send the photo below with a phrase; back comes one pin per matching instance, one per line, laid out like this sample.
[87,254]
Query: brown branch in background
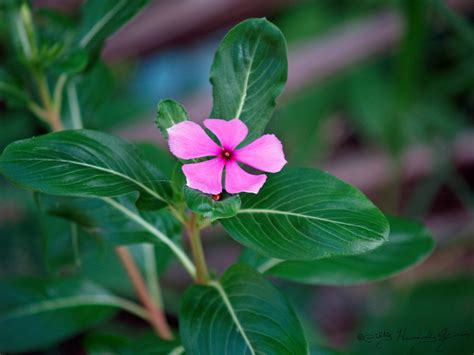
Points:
[156,316]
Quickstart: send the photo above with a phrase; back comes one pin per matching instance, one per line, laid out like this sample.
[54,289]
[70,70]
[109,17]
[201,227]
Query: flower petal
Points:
[230,133]
[264,153]
[188,140]
[205,176]
[238,180]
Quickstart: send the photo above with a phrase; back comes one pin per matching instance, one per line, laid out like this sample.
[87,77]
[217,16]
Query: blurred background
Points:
[379,93]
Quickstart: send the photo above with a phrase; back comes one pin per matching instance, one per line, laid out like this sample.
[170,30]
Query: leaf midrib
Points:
[96,167]
[246,79]
[233,315]
[294,214]
[182,257]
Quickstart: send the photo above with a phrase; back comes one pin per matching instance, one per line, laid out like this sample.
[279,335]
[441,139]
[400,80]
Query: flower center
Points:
[226,154]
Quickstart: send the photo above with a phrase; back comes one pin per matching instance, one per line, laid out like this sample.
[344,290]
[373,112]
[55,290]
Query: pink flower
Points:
[187,140]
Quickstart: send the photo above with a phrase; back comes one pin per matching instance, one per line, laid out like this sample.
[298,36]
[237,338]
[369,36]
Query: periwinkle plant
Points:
[298,224]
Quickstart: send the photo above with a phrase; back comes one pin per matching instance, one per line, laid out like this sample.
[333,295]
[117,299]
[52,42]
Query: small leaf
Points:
[408,244]
[168,114]
[101,18]
[35,314]
[242,313]
[82,163]
[304,214]
[206,205]
[248,73]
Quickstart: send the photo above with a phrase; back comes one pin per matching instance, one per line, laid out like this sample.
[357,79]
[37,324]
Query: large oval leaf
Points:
[109,227]
[35,314]
[408,244]
[112,225]
[304,214]
[82,163]
[118,222]
[240,314]
[248,73]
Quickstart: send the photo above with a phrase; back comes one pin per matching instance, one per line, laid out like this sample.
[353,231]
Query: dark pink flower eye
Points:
[226,154]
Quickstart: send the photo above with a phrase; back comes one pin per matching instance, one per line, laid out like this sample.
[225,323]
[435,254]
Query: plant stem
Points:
[202,273]
[58,92]
[74,106]
[43,89]
[156,316]
[51,110]
[55,121]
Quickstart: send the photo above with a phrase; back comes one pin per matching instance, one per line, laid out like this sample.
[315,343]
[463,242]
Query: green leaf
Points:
[101,218]
[408,244]
[227,206]
[248,73]
[242,313]
[115,342]
[60,244]
[304,214]
[111,227]
[101,18]
[119,222]
[157,156]
[168,114]
[35,314]
[82,163]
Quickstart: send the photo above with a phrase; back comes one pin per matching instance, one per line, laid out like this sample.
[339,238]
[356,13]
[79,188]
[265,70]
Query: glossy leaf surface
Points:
[242,313]
[304,214]
[82,163]
[408,244]
[248,73]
